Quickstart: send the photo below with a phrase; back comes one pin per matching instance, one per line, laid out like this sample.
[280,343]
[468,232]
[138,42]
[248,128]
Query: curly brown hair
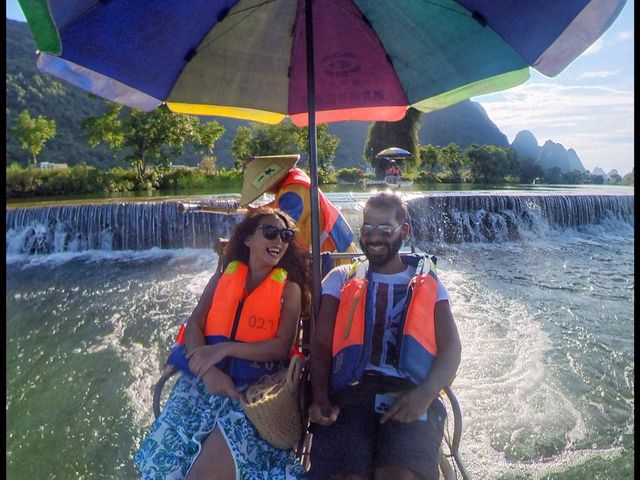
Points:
[295,260]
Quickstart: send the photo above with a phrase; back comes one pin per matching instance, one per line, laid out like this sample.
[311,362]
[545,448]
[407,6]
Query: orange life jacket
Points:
[352,335]
[234,316]
[335,233]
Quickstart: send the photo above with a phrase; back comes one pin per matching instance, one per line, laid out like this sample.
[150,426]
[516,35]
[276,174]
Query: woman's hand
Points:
[204,357]
[219,383]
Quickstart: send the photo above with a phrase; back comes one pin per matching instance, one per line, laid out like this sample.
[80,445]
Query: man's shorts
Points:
[358,444]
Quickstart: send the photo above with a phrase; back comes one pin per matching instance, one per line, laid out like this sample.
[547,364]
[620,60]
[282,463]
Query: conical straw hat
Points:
[262,173]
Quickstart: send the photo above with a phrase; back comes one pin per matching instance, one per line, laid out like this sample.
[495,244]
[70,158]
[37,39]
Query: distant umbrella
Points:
[393,153]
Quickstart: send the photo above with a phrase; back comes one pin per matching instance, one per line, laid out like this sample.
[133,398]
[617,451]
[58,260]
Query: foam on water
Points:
[516,415]
[53,260]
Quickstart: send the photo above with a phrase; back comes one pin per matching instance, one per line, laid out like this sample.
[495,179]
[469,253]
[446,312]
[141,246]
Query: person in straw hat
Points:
[279,175]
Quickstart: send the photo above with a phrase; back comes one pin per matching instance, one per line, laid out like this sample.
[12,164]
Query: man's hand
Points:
[219,383]
[204,357]
[323,413]
[409,406]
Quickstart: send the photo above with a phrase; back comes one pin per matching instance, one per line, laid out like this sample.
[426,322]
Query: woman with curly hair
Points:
[242,328]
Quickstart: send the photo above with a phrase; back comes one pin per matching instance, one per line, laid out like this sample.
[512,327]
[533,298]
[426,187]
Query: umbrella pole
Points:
[313,167]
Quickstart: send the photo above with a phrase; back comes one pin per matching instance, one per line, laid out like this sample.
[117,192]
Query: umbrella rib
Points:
[250,11]
[464,13]
[77,17]
[252,7]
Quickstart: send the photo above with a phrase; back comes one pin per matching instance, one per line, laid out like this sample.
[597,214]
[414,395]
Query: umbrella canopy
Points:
[393,153]
[247,58]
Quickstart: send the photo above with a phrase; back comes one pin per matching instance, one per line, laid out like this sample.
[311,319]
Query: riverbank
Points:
[234,193]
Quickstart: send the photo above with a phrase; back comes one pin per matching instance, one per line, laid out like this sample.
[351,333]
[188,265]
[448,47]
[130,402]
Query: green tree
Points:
[241,147]
[614,179]
[151,138]
[553,175]
[33,133]
[402,134]
[529,170]
[488,164]
[513,162]
[326,146]
[480,166]
[453,160]
[574,177]
[428,157]
[259,139]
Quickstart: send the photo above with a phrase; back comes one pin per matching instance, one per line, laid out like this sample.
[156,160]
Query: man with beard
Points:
[384,346]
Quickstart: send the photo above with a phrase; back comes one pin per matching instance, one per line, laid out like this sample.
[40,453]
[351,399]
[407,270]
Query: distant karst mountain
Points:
[550,155]
[464,124]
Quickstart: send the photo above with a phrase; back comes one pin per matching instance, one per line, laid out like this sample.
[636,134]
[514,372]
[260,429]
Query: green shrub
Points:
[325,177]
[25,182]
[56,182]
[118,179]
[22,182]
[183,178]
[351,175]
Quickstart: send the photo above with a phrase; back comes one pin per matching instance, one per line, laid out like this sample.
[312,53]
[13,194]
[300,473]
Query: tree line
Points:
[151,141]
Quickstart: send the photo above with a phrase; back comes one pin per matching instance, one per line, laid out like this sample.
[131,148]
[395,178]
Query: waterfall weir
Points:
[502,218]
[436,219]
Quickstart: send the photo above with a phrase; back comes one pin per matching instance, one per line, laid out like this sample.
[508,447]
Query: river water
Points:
[545,317]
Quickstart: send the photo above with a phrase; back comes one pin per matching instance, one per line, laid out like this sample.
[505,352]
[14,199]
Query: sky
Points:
[588,106]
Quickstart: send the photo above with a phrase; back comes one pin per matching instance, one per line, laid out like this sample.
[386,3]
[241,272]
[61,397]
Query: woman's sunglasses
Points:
[269,232]
[384,230]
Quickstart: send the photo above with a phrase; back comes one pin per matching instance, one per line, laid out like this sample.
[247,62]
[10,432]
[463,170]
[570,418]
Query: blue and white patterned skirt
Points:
[191,413]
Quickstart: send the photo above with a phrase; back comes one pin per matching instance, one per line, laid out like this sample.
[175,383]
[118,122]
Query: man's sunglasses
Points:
[269,232]
[384,230]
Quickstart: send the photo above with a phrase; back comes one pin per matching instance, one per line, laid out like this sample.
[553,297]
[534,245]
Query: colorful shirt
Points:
[390,294]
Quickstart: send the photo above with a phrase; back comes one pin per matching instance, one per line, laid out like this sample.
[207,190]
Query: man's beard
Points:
[378,260]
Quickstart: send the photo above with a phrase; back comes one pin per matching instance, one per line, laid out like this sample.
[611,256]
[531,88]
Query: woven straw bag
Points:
[271,404]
